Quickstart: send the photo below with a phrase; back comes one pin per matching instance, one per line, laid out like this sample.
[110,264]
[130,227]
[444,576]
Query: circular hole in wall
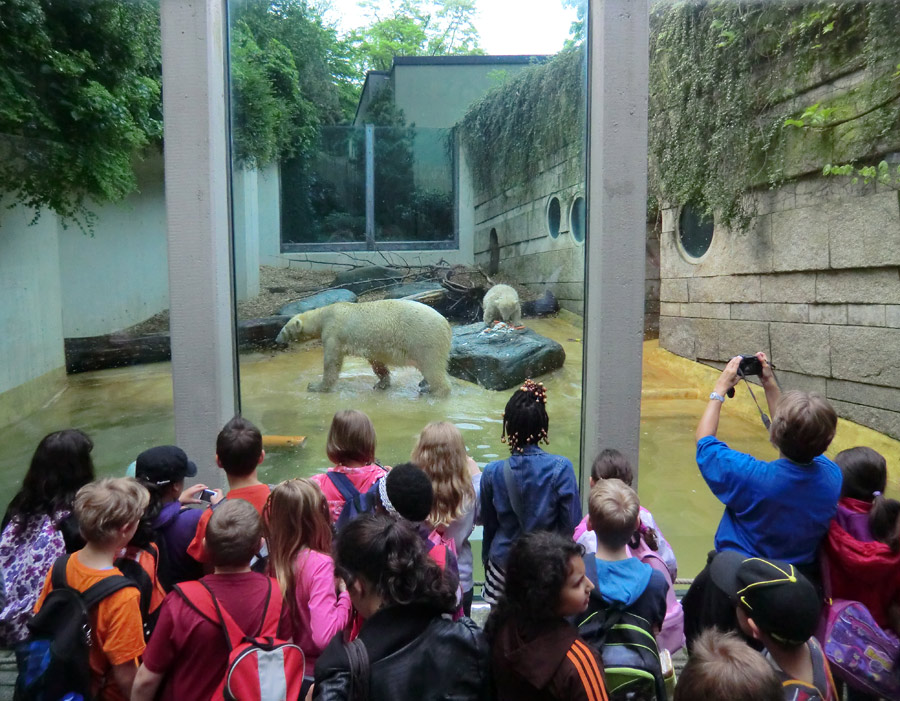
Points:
[577,217]
[554,217]
[695,231]
[494,247]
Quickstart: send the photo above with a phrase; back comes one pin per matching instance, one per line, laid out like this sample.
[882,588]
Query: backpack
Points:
[132,565]
[260,667]
[28,548]
[53,662]
[631,662]
[862,654]
[355,502]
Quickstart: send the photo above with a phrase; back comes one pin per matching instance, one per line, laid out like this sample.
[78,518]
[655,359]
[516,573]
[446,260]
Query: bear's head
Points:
[291,331]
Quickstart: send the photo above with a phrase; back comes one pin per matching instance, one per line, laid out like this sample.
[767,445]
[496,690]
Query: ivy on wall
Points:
[519,124]
[730,87]
[730,91]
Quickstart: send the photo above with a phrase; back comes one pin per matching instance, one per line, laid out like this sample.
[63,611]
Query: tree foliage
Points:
[79,96]
[414,28]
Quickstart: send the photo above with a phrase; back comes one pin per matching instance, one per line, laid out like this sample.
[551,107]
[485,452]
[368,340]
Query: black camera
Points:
[750,365]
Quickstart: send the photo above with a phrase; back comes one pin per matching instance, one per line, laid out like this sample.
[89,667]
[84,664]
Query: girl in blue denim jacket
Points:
[530,491]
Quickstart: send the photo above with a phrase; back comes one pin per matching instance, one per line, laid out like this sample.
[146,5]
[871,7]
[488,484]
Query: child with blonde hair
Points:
[298,533]
[456,479]
[108,513]
[351,447]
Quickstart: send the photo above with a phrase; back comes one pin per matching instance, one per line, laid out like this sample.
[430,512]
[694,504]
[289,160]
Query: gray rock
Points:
[321,299]
[361,280]
[414,288]
[499,360]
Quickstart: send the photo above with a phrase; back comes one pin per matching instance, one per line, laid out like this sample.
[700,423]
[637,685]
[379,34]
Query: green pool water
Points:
[130,409]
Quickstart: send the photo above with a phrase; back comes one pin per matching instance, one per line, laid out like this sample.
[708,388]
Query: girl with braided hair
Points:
[532,490]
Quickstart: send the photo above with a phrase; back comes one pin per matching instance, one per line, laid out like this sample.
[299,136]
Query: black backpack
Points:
[53,662]
[133,570]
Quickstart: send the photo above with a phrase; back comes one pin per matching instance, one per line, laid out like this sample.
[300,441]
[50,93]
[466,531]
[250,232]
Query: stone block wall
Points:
[527,252]
[814,282]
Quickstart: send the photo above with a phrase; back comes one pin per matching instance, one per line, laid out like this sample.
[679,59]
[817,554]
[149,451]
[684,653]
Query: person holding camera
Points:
[777,510]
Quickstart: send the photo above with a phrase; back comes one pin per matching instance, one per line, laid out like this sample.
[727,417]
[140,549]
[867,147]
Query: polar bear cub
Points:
[385,332]
[501,303]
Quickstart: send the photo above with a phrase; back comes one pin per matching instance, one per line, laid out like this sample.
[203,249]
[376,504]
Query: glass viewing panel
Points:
[419,190]
[83,247]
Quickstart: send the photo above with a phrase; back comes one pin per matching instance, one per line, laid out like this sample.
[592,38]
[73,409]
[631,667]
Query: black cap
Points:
[781,601]
[164,464]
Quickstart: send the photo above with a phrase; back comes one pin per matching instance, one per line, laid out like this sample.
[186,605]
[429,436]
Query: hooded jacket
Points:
[859,567]
[555,664]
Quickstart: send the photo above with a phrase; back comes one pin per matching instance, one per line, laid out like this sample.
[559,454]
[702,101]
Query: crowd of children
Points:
[358,582]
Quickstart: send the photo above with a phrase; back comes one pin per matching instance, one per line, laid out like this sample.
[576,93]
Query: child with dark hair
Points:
[529,491]
[39,525]
[351,447]
[862,548]
[611,464]
[187,655]
[723,667]
[171,523]
[239,451]
[535,652]
[412,650]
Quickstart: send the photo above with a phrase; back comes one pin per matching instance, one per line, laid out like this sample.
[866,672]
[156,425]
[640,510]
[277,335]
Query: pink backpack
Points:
[860,652]
[260,667]
[671,635]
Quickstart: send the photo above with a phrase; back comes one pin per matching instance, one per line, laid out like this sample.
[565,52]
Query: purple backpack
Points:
[861,653]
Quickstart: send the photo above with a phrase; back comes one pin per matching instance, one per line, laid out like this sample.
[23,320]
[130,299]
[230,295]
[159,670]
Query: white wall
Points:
[269,192]
[118,276]
[31,344]
[245,196]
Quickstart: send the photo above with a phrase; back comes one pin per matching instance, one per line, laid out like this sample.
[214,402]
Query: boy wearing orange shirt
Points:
[239,452]
[108,512]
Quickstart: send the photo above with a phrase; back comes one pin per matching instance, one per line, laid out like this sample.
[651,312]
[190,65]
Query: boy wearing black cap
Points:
[162,470]
[780,608]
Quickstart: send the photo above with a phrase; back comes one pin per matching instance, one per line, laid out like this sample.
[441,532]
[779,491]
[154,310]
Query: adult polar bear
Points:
[386,332]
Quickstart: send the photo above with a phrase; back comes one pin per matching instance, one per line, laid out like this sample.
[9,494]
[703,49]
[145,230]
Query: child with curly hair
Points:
[535,652]
[529,491]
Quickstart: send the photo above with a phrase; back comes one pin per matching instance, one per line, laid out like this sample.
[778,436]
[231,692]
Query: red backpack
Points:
[260,667]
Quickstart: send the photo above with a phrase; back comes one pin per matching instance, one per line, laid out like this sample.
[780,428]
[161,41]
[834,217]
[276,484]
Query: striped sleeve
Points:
[583,679]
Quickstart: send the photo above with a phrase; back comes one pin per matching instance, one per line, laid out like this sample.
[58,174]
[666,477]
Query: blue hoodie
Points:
[623,581]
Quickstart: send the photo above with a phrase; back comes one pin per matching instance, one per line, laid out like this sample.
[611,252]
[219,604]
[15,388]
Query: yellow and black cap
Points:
[781,601]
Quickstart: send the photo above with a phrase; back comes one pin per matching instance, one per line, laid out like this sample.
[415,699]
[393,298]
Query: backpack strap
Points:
[343,484]
[58,572]
[515,495]
[96,593]
[201,599]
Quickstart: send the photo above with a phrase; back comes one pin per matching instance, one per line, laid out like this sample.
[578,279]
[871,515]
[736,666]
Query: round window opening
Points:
[577,217]
[554,217]
[695,231]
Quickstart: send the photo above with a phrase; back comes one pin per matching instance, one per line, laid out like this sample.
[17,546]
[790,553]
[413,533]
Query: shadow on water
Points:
[130,409]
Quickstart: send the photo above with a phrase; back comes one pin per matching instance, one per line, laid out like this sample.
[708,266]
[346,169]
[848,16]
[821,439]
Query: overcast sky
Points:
[505,26]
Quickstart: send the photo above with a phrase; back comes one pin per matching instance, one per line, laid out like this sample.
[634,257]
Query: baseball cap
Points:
[781,601]
[164,464]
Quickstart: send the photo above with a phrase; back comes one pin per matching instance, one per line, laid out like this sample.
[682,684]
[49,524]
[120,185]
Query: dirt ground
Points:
[278,286]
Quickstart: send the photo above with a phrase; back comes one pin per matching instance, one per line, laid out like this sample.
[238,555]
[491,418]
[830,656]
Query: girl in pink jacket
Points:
[298,535]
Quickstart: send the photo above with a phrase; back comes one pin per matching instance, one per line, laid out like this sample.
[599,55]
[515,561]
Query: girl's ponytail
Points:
[884,521]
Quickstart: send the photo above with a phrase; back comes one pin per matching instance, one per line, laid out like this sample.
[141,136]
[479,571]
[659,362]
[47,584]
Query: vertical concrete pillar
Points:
[196,170]
[618,59]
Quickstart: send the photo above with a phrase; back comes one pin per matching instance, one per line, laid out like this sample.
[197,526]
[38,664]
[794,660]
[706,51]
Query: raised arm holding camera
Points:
[779,509]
